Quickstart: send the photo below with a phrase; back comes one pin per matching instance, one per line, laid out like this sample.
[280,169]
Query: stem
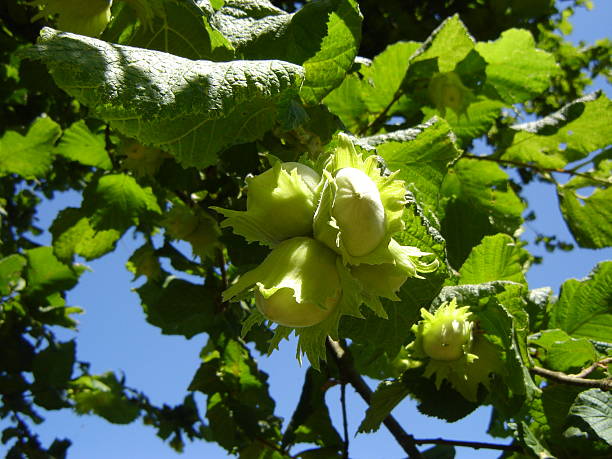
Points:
[536,167]
[343,360]
[467,444]
[382,115]
[563,378]
[345,454]
[588,370]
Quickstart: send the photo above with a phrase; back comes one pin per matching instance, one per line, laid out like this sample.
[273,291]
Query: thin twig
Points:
[343,360]
[536,167]
[467,444]
[382,115]
[588,370]
[560,377]
[344,420]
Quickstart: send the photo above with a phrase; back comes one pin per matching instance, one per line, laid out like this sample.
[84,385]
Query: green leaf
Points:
[240,410]
[104,395]
[450,43]
[53,365]
[387,396]
[31,155]
[73,235]
[383,78]
[584,308]
[588,218]
[117,201]
[571,356]
[477,120]
[422,155]
[345,101]
[321,36]
[563,353]
[78,143]
[10,273]
[516,68]
[439,452]
[178,27]
[179,307]
[480,203]
[567,135]
[424,390]
[192,109]
[46,274]
[495,258]
[310,422]
[595,407]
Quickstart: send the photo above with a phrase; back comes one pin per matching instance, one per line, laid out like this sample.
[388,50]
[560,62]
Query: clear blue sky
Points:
[113,335]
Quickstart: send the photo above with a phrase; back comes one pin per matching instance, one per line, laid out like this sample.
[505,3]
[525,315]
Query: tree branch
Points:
[563,378]
[536,167]
[467,444]
[345,454]
[382,115]
[590,369]
[349,373]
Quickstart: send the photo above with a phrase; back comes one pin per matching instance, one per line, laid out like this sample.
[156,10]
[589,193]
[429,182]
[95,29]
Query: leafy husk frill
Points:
[331,234]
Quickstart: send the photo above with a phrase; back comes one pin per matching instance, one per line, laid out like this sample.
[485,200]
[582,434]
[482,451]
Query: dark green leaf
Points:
[386,397]
[310,422]
[178,307]
[179,27]
[321,36]
[104,396]
[439,452]
[53,365]
[595,408]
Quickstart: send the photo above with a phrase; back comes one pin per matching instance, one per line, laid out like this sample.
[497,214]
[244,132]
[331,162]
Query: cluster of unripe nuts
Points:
[321,227]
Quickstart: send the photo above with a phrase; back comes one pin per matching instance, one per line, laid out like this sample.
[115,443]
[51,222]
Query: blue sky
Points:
[114,336]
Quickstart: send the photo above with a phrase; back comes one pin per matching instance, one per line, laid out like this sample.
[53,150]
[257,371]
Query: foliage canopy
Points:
[161,112]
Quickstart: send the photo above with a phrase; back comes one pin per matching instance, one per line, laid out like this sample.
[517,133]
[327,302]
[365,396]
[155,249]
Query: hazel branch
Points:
[348,372]
[467,444]
[540,169]
[590,369]
[563,378]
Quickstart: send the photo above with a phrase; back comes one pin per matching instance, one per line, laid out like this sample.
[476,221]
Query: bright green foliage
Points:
[517,70]
[73,16]
[78,143]
[568,135]
[348,172]
[73,235]
[31,155]
[118,201]
[584,308]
